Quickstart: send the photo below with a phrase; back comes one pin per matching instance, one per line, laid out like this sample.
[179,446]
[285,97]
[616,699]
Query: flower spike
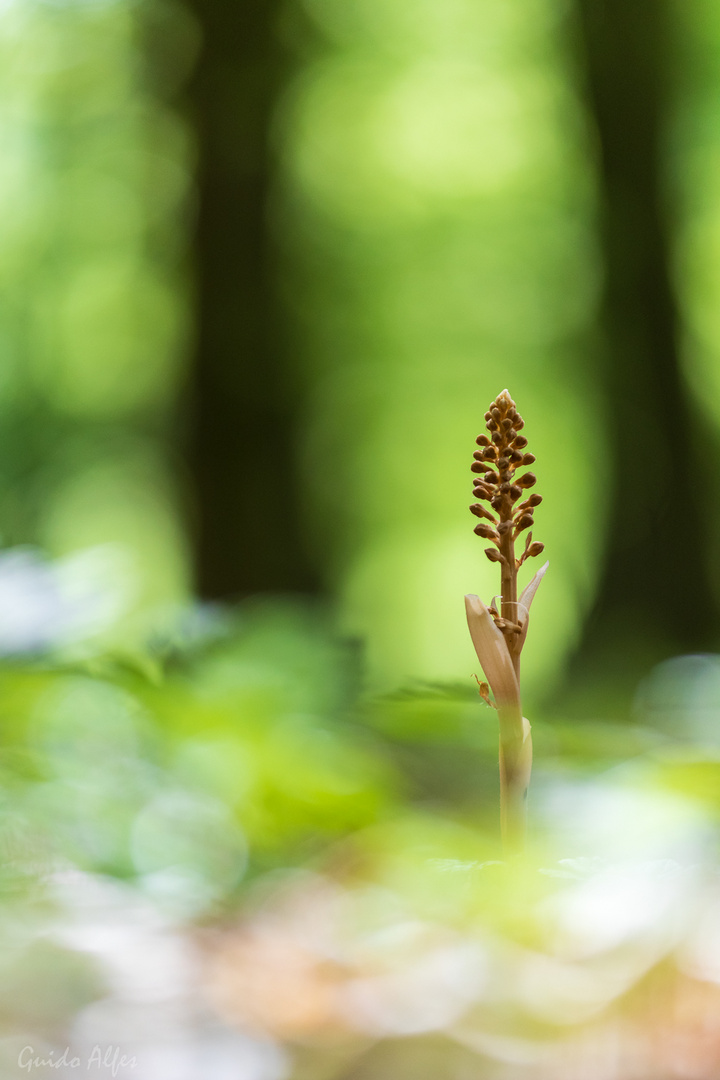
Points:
[499,637]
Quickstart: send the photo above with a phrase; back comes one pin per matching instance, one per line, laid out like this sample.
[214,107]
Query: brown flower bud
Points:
[494,555]
[527,481]
[520,442]
[524,522]
[478,467]
[490,453]
[481,491]
[536,548]
[516,458]
[528,459]
[482,440]
[515,492]
[486,531]
[481,512]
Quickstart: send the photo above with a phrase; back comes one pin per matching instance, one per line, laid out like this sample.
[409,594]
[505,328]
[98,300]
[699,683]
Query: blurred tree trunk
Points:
[655,583]
[243,411]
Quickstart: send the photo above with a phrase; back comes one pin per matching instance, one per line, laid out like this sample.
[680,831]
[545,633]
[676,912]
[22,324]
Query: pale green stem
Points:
[515,745]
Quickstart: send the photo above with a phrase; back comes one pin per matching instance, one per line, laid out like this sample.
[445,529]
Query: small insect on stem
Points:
[499,637]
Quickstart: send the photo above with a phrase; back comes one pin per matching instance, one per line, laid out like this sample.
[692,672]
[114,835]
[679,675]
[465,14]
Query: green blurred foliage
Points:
[236,749]
[434,206]
[335,857]
[93,319]
[691,171]
[239,745]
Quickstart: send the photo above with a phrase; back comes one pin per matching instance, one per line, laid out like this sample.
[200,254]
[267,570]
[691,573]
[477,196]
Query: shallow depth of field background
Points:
[263,266]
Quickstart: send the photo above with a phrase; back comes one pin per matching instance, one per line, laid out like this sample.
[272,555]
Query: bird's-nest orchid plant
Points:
[499,636]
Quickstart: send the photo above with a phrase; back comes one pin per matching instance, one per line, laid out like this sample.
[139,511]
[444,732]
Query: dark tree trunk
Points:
[655,584]
[242,408]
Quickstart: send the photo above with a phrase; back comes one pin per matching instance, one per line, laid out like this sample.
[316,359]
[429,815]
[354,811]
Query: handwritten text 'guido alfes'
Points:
[110,1058]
